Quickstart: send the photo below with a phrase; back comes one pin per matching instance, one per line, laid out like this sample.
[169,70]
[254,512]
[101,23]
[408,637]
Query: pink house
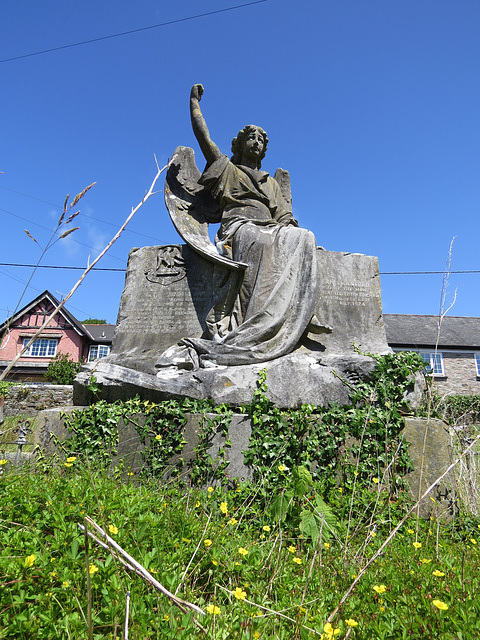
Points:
[64,334]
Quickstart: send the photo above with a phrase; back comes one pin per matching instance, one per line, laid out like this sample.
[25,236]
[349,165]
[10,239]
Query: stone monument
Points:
[201,320]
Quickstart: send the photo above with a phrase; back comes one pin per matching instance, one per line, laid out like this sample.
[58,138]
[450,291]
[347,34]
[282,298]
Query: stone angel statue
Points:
[269,300]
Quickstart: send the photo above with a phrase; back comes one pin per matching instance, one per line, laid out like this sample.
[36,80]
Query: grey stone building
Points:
[451,349]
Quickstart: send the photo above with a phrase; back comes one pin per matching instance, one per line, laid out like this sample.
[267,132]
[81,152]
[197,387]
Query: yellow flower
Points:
[214,610]
[292,549]
[326,545]
[382,609]
[92,569]
[239,594]
[375,480]
[297,560]
[113,529]
[410,531]
[197,504]
[65,584]
[53,574]
[329,631]
[256,635]
[29,560]
[71,459]
[232,521]
[351,622]
[473,541]
[380,588]
[2,462]
[224,507]
[440,605]
[340,489]
[186,540]
[67,464]
[425,561]
[282,467]
[166,617]
[242,551]
[207,542]
[214,562]
[373,534]
[158,437]
[130,473]
[210,489]
[438,573]
[266,528]
[417,545]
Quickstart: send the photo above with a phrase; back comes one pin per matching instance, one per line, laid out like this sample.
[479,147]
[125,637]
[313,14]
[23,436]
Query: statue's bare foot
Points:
[315,326]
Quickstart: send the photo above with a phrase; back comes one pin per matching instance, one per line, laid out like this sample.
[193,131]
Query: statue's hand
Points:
[197,92]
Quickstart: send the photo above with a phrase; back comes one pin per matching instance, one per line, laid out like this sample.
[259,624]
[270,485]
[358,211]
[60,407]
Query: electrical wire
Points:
[126,33]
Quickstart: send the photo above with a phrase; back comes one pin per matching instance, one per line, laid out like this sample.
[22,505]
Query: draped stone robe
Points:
[261,314]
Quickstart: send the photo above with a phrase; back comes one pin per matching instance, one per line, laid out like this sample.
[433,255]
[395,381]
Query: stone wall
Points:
[460,375]
[30,399]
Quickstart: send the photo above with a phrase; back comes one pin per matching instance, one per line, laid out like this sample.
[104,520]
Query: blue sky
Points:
[372,105]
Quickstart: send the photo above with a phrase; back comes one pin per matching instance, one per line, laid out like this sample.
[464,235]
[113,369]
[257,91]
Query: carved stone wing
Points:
[191,207]
[283,180]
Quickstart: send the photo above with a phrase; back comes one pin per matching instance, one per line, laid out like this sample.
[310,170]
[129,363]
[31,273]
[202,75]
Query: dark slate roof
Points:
[102,333]
[422,331]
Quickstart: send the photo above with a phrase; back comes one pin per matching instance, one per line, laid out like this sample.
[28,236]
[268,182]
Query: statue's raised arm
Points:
[199,126]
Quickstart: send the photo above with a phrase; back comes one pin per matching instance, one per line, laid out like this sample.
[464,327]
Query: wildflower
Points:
[232,521]
[214,562]
[302,610]
[3,461]
[375,480]
[239,594]
[329,631]
[158,437]
[380,588]
[297,560]
[53,574]
[351,622]
[92,569]
[186,540]
[71,459]
[256,635]
[382,609]
[373,534]
[282,467]
[66,584]
[210,489]
[340,490]
[29,560]
[292,549]
[214,610]
[207,542]
[440,605]
[266,528]
[130,473]
[152,570]
[326,545]
[224,507]
[425,561]
[197,504]
[67,464]
[417,545]
[113,529]
[242,551]
[166,617]
[410,531]
[438,573]
[473,541]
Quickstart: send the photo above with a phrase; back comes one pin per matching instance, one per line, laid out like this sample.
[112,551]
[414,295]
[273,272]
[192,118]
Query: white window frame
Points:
[41,348]
[477,363]
[98,349]
[435,364]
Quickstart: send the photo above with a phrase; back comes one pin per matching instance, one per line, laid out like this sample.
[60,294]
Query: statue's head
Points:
[238,143]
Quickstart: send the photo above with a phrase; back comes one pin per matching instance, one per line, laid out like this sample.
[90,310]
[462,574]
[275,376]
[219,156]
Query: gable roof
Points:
[46,295]
[422,331]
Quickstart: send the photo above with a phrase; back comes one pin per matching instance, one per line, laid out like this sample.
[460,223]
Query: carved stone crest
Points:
[169,266]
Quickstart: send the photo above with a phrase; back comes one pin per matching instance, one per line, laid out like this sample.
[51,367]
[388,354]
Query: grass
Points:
[224,552]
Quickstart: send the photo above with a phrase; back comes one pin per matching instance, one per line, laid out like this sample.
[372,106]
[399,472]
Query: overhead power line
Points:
[126,33]
[382,273]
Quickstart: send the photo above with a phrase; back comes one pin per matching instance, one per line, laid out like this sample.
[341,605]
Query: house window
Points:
[98,351]
[41,348]
[434,362]
[477,363]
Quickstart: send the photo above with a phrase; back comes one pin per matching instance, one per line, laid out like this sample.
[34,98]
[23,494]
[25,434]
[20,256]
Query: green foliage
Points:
[62,370]
[93,321]
[5,386]
[209,544]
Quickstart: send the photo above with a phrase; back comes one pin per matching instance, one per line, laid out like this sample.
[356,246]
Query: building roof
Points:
[100,332]
[422,331]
